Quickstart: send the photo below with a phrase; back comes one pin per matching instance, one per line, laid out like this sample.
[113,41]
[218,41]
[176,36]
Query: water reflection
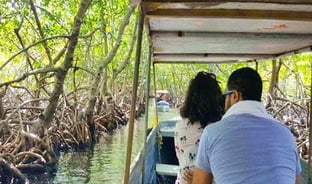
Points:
[105,164]
[74,168]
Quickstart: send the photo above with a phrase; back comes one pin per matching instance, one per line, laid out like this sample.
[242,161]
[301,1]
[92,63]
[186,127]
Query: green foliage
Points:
[97,37]
[175,77]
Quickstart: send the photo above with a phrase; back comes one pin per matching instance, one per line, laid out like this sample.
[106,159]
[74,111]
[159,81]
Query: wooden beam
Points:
[228,34]
[181,34]
[152,6]
[225,1]
[230,25]
[134,98]
[232,13]
[208,58]
[196,62]
[227,43]
[220,58]
[169,57]
[298,51]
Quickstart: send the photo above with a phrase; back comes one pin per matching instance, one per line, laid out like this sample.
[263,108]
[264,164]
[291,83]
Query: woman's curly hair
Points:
[204,101]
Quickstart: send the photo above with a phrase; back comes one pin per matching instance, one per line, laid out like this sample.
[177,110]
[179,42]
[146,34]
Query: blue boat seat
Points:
[167,131]
[163,103]
[167,169]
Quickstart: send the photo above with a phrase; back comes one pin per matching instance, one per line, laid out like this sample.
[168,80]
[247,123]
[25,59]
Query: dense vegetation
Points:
[67,71]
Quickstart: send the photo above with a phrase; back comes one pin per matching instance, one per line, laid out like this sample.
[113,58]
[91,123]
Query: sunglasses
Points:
[227,92]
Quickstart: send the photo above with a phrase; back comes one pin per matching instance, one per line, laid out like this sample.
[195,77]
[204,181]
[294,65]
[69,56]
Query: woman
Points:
[203,105]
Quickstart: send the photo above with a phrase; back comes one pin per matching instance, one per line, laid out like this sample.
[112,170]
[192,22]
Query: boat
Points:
[159,168]
[162,103]
[163,106]
[213,31]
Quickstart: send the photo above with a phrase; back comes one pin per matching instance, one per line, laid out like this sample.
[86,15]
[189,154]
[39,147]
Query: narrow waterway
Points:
[105,164]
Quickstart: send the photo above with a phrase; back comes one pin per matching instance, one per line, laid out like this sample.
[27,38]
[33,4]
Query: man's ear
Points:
[236,96]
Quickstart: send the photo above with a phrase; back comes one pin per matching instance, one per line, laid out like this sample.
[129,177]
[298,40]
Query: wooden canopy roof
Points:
[216,31]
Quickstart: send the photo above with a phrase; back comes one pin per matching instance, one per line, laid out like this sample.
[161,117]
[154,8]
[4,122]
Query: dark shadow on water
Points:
[103,164]
[73,167]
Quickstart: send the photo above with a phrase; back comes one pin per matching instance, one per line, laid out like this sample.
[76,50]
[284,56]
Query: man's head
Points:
[243,84]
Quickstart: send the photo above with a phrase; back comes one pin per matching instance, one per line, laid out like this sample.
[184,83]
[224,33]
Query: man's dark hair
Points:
[247,82]
[204,101]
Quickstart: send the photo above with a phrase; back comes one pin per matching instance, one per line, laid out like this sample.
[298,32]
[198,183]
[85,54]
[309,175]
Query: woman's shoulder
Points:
[182,122]
[185,123]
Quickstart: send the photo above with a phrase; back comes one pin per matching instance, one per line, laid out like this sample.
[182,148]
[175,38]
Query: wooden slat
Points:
[210,61]
[223,58]
[229,25]
[233,13]
[151,6]
[204,58]
[227,43]
[222,1]
[234,30]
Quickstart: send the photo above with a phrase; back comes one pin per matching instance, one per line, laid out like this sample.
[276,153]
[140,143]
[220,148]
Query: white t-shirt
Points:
[186,140]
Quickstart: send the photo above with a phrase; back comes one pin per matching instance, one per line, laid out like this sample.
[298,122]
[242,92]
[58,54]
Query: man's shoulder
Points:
[241,119]
[215,127]
[223,122]
[248,117]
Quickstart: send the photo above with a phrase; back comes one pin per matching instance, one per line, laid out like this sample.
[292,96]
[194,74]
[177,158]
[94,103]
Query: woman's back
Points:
[186,140]
[203,105]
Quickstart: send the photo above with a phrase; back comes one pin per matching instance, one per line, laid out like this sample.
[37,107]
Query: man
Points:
[247,146]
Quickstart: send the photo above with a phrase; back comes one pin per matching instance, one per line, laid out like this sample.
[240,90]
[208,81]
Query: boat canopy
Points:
[162,92]
[219,31]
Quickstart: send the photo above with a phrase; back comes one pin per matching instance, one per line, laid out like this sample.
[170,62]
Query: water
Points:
[106,163]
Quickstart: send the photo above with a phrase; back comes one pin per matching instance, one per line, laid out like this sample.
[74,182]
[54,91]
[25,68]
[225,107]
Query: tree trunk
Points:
[61,73]
[274,80]
[95,84]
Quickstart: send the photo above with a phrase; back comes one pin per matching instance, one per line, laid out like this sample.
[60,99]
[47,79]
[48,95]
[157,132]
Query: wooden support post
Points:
[310,132]
[156,110]
[155,87]
[133,99]
[147,94]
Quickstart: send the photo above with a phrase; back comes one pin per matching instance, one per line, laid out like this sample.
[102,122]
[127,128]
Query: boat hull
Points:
[151,158]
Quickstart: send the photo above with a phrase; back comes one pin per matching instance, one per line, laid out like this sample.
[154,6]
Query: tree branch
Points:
[66,65]
[30,46]
[27,74]
[33,8]
[95,84]
[127,59]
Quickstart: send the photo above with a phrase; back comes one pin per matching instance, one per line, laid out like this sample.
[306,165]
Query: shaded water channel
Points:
[105,164]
